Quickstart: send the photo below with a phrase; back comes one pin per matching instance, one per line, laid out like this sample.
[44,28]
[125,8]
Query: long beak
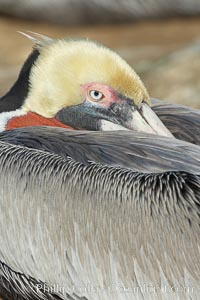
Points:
[120,115]
[145,120]
[131,117]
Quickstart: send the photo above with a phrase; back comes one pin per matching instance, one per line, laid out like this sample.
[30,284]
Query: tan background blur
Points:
[164,51]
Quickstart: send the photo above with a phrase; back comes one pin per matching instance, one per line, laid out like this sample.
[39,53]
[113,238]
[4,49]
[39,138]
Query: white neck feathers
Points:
[6,116]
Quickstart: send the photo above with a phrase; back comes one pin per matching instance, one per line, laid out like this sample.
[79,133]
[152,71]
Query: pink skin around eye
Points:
[110,95]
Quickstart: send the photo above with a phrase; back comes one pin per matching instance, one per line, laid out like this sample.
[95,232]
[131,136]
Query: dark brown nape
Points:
[15,97]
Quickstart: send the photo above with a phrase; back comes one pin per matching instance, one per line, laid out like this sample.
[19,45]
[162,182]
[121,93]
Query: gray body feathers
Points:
[133,150]
[79,224]
[182,121]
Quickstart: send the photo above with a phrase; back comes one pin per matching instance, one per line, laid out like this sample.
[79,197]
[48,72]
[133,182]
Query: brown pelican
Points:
[182,121]
[95,215]
[78,84]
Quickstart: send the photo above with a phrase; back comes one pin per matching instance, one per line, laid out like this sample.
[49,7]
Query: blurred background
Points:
[160,39]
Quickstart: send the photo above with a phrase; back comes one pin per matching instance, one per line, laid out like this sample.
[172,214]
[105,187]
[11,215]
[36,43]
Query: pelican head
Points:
[85,85]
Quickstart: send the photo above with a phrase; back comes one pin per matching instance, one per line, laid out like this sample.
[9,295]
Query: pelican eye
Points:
[96,95]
